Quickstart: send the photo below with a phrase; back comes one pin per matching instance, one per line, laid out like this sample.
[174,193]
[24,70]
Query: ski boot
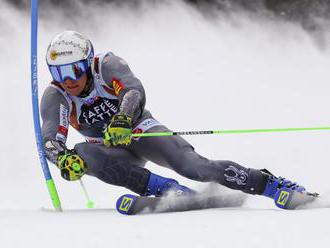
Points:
[286,194]
[160,186]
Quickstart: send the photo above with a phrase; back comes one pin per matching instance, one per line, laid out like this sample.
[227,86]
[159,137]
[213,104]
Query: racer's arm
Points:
[129,89]
[55,116]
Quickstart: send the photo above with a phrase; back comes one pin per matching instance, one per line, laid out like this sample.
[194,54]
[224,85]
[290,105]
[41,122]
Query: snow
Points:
[209,228]
[199,74]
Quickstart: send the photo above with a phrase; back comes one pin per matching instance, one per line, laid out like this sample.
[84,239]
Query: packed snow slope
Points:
[234,71]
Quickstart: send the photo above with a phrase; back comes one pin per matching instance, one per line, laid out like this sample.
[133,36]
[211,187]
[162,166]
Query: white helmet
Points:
[69,55]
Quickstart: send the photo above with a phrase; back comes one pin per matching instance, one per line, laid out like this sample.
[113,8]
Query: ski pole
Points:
[35,105]
[233,131]
[89,204]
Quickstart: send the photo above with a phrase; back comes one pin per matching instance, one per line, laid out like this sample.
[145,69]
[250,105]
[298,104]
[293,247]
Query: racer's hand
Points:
[119,131]
[71,165]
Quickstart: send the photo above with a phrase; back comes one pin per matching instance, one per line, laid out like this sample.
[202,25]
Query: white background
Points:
[199,73]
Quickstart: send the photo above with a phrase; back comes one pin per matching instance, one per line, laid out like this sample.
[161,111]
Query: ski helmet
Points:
[69,55]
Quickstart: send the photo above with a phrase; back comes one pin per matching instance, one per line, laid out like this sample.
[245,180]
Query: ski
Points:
[134,205]
[291,199]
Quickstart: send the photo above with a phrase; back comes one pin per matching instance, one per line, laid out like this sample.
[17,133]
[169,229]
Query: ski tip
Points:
[290,199]
[315,194]
[125,203]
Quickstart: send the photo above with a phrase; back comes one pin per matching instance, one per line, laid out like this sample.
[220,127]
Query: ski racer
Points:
[104,101]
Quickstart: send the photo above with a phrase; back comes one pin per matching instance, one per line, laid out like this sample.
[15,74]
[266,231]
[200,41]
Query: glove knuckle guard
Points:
[72,166]
[119,131]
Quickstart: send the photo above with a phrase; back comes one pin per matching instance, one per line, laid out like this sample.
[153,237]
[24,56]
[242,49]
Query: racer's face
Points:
[75,87]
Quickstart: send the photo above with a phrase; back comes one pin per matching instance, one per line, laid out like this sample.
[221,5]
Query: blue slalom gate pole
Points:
[35,105]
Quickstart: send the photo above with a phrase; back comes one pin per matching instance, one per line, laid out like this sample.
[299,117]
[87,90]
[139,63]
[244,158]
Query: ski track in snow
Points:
[199,74]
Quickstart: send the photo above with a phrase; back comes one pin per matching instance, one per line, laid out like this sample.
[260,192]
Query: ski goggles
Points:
[72,71]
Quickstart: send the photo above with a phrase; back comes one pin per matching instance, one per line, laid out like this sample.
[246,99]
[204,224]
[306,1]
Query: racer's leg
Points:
[176,153]
[121,167]
[115,166]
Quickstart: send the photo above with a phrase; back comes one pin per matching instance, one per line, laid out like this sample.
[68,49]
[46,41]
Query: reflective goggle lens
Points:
[72,71]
